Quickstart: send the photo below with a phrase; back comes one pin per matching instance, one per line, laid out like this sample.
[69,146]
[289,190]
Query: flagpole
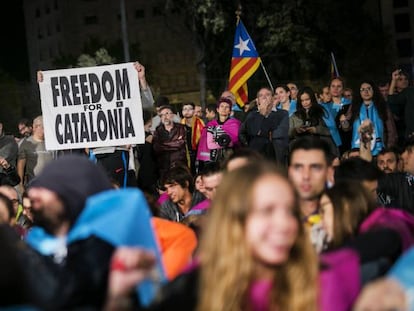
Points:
[334,64]
[238,13]
[267,76]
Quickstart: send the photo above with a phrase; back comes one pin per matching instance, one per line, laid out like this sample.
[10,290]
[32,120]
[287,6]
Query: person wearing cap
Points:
[220,136]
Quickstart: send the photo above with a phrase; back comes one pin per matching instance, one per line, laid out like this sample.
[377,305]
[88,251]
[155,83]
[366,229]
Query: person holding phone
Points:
[309,119]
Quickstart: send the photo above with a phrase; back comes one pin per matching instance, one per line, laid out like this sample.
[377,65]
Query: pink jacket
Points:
[206,143]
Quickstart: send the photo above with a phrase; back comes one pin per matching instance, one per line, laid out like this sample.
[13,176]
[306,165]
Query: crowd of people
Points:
[300,200]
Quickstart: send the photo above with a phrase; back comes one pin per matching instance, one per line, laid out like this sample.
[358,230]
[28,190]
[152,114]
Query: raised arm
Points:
[146,93]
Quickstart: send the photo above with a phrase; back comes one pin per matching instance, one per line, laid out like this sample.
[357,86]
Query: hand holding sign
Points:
[92,106]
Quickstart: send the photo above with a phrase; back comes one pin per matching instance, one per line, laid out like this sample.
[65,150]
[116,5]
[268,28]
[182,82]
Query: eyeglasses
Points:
[368,89]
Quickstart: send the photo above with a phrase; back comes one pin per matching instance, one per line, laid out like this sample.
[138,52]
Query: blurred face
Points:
[384,90]
[188,111]
[210,114]
[348,94]
[38,129]
[27,208]
[24,131]
[293,90]
[175,192]
[236,163]
[199,185]
[271,228]
[166,116]
[47,209]
[224,109]
[12,195]
[306,101]
[198,111]
[210,185]
[327,214]
[308,171]
[229,95]
[402,82]
[387,162]
[366,92]
[336,88]
[5,216]
[326,95]
[264,101]
[371,186]
[282,95]
[408,160]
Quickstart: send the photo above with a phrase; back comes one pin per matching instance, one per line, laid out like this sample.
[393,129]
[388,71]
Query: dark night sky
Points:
[13,50]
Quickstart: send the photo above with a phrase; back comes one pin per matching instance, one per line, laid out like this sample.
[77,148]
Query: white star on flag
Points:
[242,46]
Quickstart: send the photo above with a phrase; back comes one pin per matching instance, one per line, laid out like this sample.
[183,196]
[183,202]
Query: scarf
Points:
[369,112]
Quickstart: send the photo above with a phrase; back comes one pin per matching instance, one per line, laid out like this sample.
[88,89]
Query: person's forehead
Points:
[387,155]
[222,104]
[211,179]
[265,92]
[166,110]
[336,83]
[10,193]
[308,156]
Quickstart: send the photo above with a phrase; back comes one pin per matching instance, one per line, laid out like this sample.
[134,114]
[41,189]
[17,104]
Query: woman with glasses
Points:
[369,105]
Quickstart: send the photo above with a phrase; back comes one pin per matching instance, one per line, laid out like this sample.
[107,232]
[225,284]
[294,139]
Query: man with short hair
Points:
[198,111]
[169,142]
[194,127]
[309,165]
[266,131]
[33,155]
[387,160]
[293,91]
[161,101]
[25,128]
[309,168]
[396,189]
[211,112]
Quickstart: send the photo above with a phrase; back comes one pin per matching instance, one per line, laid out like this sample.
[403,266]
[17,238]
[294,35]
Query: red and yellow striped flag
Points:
[244,63]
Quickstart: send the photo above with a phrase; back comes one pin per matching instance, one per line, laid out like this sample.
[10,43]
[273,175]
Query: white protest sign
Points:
[91,107]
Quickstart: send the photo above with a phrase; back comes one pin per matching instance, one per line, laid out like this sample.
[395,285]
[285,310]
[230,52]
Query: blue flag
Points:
[119,217]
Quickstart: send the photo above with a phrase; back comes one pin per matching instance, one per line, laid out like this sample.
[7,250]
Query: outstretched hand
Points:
[129,267]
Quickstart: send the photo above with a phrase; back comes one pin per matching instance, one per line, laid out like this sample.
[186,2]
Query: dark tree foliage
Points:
[293,37]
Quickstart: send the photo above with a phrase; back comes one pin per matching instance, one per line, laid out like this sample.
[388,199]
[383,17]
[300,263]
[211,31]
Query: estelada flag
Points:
[244,62]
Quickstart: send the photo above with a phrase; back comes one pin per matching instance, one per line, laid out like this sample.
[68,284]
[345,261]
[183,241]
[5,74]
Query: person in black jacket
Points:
[148,170]
[266,131]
